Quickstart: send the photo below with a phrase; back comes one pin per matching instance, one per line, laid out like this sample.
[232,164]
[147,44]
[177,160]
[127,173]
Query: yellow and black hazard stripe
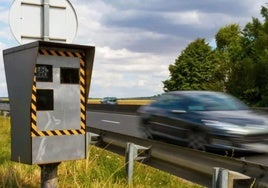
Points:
[34,131]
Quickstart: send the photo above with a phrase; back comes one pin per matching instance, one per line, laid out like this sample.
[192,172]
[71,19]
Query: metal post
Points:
[49,175]
[224,178]
[130,161]
[132,154]
[220,178]
[93,138]
[215,176]
[46,20]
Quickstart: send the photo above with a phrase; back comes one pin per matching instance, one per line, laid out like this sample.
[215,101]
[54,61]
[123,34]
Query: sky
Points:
[137,40]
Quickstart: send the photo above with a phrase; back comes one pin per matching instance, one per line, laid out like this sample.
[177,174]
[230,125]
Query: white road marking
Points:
[108,121]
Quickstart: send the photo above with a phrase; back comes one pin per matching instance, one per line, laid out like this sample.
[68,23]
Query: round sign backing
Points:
[51,20]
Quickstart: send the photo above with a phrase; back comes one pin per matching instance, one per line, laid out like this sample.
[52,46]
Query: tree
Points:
[228,38]
[228,41]
[249,77]
[238,65]
[262,54]
[193,69]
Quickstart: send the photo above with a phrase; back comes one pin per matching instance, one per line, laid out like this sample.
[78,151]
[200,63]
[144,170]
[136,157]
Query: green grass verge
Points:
[101,169]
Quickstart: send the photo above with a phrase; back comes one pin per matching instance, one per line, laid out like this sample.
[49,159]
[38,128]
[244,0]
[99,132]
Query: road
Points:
[128,125]
[120,123]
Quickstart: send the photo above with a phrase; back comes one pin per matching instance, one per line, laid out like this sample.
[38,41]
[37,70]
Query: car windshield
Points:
[199,101]
[213,102]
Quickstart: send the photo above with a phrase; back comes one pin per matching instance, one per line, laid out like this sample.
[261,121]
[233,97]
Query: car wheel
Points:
[197,140]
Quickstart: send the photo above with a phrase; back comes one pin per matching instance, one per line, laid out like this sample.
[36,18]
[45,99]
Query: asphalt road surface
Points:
[128,125]
[119,123]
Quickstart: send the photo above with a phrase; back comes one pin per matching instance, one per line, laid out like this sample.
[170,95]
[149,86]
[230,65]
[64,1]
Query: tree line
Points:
[237,65]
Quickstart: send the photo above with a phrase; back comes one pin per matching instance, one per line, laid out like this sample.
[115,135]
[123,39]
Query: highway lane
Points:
[128,125]
[120,123]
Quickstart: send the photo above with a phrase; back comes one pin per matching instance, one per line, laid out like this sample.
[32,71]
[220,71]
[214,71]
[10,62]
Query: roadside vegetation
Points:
[101,169]
[236,63]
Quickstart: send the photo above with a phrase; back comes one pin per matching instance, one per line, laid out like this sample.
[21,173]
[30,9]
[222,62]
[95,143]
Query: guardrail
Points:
[4,108]
[193,165]
[132,109]
[114,108]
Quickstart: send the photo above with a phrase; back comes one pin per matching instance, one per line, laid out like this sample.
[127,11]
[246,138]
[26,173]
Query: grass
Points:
[101,169]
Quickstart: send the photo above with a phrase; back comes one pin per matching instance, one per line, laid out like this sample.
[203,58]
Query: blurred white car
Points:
[109,100]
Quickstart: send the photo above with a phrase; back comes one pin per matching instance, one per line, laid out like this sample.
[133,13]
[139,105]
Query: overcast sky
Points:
[136,40]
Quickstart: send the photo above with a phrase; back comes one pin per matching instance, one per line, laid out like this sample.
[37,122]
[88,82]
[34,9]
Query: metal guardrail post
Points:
[93,138]
[134,153]
[220,178]
[224,178]
[4,113]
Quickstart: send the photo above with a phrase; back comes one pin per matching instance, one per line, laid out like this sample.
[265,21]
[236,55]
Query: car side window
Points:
[170,102]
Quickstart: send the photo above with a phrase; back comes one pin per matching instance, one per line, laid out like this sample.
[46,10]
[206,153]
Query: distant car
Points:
[109,100]
[205,119]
